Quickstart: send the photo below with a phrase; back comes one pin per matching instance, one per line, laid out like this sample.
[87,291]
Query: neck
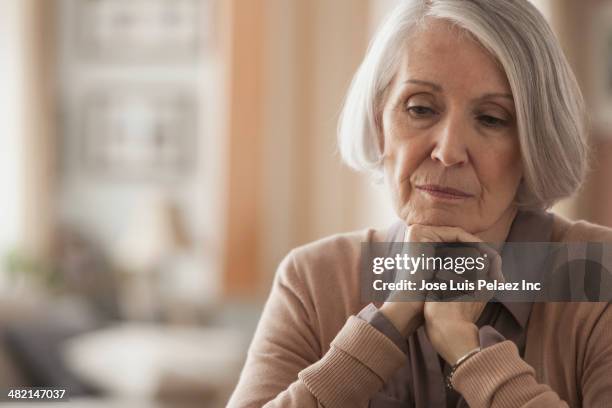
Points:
[498,232]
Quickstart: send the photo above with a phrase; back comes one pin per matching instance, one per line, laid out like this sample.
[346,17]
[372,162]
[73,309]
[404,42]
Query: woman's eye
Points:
[420,111]
[492,121]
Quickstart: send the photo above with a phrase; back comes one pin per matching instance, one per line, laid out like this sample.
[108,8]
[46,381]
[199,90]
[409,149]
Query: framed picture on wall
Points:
[141,30]
[138,132]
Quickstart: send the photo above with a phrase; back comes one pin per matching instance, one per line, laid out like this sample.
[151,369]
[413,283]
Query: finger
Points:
[494,270]
[492,273]
[448,234]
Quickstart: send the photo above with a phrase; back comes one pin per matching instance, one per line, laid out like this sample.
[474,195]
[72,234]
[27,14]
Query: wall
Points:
[312,50]
[11,125]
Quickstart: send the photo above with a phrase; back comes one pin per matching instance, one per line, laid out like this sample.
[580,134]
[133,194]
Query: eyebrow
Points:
[438,88]
[432,85]
[496,95]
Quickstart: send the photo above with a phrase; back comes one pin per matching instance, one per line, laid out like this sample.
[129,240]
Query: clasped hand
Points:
[450,326]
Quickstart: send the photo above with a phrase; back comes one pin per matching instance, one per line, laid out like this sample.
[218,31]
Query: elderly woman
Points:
[470,112]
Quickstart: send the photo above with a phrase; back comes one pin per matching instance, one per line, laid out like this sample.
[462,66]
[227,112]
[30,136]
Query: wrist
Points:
[406,317]
[461,360]
[453,340]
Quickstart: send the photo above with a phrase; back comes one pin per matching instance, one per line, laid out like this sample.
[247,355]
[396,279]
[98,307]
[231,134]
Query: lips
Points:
[444,192]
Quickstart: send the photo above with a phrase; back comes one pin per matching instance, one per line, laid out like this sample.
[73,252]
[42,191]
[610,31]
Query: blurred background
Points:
[158,158]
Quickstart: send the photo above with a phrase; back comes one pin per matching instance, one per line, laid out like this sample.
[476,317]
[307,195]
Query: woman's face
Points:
[451,152]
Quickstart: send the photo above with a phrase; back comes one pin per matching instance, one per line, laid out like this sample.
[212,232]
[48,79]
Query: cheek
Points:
[396,165]
[501,171]
[400,160]
[403,153]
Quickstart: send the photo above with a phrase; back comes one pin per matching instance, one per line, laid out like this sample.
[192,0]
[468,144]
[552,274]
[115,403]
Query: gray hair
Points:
[548,102]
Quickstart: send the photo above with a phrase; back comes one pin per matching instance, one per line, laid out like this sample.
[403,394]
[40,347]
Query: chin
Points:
[439,217]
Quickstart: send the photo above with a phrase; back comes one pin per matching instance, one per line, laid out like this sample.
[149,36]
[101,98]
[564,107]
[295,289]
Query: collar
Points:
[531,226]
[528,226]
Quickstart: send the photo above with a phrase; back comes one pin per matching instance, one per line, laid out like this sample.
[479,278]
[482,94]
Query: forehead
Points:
[441,52]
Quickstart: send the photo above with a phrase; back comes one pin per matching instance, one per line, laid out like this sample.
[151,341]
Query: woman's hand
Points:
[451,327]
[407,316]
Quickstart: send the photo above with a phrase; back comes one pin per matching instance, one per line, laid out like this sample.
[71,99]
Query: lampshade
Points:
[154,232]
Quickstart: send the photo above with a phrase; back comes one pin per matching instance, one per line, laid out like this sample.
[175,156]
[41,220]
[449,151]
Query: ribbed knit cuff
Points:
[375,318]
[359,362]
[497,372]
[488,336]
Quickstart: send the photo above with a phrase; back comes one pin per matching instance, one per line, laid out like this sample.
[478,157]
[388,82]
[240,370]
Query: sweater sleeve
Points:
[498,377]
[285,366]
[596,381]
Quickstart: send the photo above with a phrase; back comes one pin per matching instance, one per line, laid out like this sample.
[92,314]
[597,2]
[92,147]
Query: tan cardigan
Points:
[310,350]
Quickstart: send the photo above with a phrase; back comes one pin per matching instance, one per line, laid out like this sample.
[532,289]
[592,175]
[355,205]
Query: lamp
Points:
[154,234]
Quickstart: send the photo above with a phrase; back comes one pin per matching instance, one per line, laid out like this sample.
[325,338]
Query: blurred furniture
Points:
[31,332]
[151,362]
[11,312]
[110,364]
[45,301]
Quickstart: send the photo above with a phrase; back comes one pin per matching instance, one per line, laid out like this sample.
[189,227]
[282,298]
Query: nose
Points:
[450,148]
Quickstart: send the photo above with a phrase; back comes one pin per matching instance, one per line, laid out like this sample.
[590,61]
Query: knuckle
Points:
[414,232]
